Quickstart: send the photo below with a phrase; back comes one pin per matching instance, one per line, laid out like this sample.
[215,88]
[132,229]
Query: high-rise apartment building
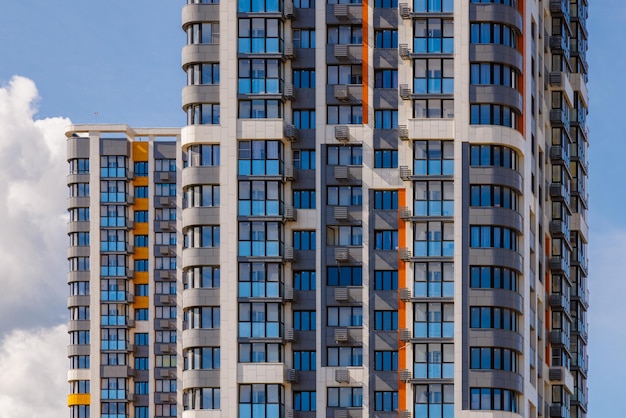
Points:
[122,279]
[381,212]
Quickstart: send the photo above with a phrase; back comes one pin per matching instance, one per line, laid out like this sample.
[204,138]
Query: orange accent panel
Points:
[365,57]
[140,151]
[78,399]
[141,204]
[141,302]
[402,320]
[141,228]
[141,252]
[141,278]
[140,181]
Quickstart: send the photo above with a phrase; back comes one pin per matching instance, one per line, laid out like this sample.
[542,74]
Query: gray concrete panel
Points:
[305,99]
[385,98]
[78,276]
[201,257]
[82,226]
[77,178]
[495,257]
[77,147]
[486,12]
[386,139]
[305,19]
[193,13]
[201,216]
[79,300]
[200,175]
[496,216]
[496,297]
[201,338]
[496,53]
[495,338]
[496,175]
[115,146]
[385,18]
[501,95]
[165,149]
[496,379]
[200,94]
[201,297]
[200,53]
[77,252]
[385,59]
[201,378]
[78,350]
[115,371]
[78,325]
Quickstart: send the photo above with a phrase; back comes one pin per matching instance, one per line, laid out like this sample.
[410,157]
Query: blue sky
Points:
[121,60]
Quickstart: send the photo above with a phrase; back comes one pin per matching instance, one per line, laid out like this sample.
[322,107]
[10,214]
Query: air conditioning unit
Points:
[291,132]
[290,213]
[403,50]
[341,172]
[405,91]
[405,173]
[342,133]
[341,51]
[341,335]
[341,92]
[404,254]
[288,50]
[405,294]
[290,335]
[341,294]
[342,375]
[290,254]
[288,91]
[341,254]
[289,172]
[404,10]
[340,213]
[403,132]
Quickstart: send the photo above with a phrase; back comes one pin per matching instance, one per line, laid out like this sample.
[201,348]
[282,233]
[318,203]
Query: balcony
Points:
[559,264]
[559,229]
[558,301]
[560,191]
[559,117]
[559,154]
[559,338]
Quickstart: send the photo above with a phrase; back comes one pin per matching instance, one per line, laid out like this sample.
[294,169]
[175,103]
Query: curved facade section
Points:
[500,13]
[497,94]
[200,94]
[496,297]
[497,216]
[201,297]
[498,338]
[194,13]
[496,53]
[200,134]
[497,175]
[496,379]
[200,256]
[200,216]
[198,175]
[200,53]
[496,256]
[200,337]
[200,378]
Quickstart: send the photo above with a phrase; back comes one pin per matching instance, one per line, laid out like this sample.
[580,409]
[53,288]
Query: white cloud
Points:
[34,375]
[33,193]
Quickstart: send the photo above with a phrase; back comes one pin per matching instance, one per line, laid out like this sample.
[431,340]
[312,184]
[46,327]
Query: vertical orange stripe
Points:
[403,281]
[365,58]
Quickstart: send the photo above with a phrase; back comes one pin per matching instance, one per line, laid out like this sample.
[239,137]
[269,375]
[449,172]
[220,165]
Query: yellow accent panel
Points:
[141,253]
[141,204]
[79,399]
[140,151]
[140,181]
[141,275]
[141,228]
[142,279]
[141,302]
